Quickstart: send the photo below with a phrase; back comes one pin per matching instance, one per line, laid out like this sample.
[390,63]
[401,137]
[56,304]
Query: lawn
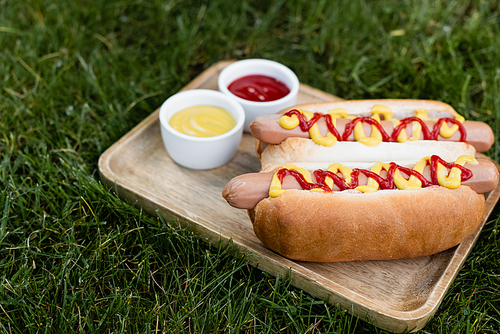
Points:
[76,76]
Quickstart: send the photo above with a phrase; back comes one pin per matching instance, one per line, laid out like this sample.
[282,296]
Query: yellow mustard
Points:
[450,180]
[292,122]
[202,121]
[359,135]
[275,189]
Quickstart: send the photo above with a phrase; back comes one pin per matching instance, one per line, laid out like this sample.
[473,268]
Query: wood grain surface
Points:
[394,295]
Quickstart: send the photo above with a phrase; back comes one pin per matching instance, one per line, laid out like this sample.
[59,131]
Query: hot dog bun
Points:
[332,225]
[307,154]
[349,226]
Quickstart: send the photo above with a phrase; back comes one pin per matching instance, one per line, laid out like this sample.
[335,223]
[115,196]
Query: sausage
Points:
[267,129]
[247,190]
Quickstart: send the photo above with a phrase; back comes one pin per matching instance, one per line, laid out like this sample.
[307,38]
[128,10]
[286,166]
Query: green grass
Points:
[77,75]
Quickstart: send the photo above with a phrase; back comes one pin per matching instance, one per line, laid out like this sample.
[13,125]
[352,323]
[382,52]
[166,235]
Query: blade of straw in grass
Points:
[4,219]
[105,41]
[463,95]
[10,30]
[31,70]
[142,98]
[381,82]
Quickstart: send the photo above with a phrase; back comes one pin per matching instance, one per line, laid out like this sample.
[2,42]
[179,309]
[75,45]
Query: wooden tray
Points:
[394,295]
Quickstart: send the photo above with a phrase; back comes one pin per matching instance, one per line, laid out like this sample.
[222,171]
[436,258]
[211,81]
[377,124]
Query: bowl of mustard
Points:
[201,128]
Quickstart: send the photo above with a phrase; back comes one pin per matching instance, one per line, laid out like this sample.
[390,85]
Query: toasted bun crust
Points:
[389,224]
[307,154]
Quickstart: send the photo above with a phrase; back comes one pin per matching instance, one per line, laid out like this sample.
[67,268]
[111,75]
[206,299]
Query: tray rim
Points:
[277,265]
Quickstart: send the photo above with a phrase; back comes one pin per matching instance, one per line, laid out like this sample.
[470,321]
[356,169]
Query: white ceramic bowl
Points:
[265,67]
[200,152]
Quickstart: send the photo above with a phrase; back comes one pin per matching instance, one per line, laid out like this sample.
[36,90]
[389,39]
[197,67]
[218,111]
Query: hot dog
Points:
[423,120]
[349,225]
[247,190]
[267,129]
[399,191]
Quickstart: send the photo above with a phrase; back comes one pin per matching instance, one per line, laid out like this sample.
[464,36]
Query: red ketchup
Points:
[259,88]
[384,183]
[393,137]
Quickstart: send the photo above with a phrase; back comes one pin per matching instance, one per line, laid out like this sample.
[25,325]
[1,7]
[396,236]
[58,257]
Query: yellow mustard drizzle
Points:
[422,114]
[451,180]
[375,137]
[338,167]
[372,185]
[339,113]
[202,121]
[445,131]
[416,127]
[291,122]
[379,109]
[327,140]
[402,137]
[413,183]
[275,188]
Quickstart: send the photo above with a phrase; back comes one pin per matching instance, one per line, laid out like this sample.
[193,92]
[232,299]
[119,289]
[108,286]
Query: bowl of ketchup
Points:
[201,128]
[261,86]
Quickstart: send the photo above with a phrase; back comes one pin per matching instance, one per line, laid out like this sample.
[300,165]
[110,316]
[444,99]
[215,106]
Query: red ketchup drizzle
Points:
[259,88]
[466,173]
[429,135]
[349,128]
[306,125]
[384,183]
[301,180]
